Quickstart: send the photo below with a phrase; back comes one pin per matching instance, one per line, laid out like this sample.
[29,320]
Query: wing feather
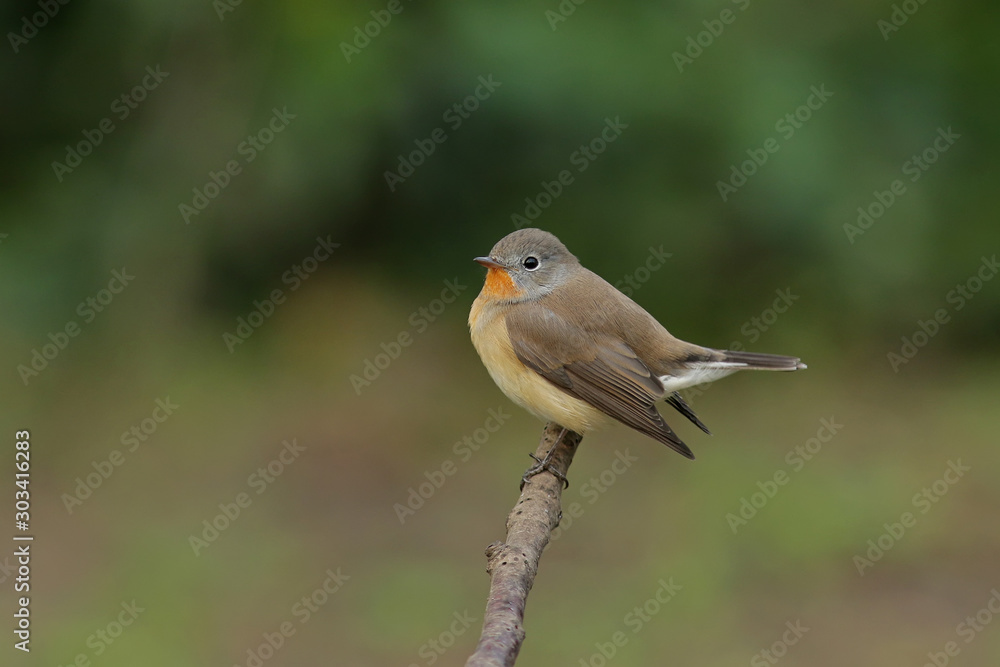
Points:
[596,368]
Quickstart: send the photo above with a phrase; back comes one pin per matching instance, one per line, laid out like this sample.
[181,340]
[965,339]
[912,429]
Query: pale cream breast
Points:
[521,384]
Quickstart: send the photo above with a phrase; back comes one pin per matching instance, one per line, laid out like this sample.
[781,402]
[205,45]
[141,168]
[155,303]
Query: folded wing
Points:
[595,368]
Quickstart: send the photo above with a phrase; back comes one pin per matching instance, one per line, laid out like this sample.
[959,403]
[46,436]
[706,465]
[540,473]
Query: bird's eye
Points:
[530,263]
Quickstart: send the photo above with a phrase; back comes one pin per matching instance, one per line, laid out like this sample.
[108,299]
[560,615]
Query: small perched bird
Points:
[563,343]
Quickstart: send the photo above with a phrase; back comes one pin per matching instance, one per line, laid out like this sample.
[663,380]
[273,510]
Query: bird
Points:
[566,345]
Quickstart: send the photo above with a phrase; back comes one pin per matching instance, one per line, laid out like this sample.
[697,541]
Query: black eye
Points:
[530,263]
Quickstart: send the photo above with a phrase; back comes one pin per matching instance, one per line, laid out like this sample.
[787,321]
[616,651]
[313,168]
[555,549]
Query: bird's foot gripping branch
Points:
[512,565]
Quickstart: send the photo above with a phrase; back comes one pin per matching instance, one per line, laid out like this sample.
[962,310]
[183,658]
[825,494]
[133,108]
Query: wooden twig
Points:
[512,565]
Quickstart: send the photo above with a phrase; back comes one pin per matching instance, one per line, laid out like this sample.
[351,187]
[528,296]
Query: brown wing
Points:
[595,368]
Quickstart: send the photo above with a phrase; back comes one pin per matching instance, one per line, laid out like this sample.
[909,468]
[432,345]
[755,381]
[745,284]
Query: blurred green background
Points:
[277,126]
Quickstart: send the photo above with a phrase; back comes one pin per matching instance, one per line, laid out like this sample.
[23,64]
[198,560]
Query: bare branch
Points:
[512,565]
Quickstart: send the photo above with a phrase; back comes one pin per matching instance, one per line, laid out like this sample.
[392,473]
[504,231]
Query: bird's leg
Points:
[544,464]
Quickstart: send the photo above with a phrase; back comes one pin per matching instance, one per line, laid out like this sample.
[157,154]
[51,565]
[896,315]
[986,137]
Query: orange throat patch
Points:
[499,285]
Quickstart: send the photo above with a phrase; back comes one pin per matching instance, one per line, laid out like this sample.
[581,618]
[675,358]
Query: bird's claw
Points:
[541,465]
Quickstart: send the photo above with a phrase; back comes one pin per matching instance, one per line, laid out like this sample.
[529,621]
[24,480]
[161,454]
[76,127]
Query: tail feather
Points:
[761,361]
[710,365]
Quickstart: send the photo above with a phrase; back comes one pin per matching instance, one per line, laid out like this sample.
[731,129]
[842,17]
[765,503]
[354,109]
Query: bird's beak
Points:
[489,263]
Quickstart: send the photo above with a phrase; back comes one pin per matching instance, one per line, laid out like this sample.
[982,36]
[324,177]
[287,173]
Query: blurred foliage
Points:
[231,67]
